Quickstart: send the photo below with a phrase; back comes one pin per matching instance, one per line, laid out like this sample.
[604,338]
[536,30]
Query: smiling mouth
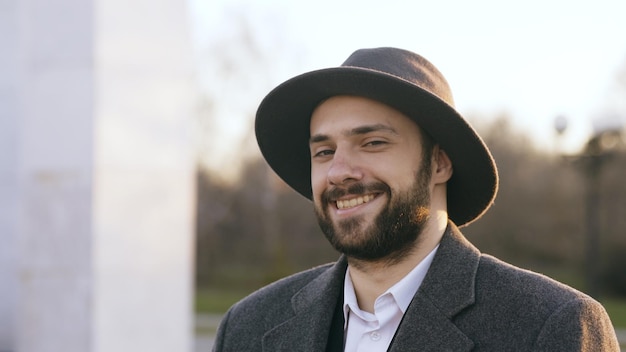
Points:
[353,202]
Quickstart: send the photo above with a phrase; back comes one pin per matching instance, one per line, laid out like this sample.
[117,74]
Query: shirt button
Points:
[375,335]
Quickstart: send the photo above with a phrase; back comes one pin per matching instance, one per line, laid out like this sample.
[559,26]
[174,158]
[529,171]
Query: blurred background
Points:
[544,83]
[135,205]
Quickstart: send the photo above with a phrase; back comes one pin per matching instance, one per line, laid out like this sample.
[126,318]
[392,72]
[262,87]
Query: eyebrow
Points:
[355,132]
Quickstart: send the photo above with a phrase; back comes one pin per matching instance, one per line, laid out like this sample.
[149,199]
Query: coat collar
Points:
[447,289]
[313,308]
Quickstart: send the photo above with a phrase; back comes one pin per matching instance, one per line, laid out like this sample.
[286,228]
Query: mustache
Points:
[356,189]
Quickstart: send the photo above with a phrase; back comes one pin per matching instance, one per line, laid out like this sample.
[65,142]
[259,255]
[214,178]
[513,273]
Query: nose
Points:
[343,169]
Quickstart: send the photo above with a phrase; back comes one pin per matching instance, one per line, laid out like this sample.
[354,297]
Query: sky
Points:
[533,60]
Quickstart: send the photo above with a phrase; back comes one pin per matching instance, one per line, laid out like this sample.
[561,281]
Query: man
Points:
[393,169]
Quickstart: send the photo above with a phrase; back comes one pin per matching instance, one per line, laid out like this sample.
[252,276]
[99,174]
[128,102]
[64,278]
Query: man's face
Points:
[371,184]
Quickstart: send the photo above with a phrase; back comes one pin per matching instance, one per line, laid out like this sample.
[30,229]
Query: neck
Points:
[372,278]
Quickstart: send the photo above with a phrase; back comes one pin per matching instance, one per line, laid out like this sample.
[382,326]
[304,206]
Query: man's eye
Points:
[375,143]
[324,152]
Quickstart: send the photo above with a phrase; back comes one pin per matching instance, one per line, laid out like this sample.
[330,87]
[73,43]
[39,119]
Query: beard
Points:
[393,232]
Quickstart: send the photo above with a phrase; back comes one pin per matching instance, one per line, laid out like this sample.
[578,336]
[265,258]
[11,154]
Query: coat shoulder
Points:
[521,296]
[245,323]
[282,290]
[279,293]
[500,278]
[515,304]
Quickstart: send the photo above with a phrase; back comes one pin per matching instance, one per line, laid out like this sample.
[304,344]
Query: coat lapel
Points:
[428,324]
[313,308]
[447,289]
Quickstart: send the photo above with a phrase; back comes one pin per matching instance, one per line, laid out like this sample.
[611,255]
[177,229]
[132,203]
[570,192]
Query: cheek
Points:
[396,170]
[318,181]
[400,176]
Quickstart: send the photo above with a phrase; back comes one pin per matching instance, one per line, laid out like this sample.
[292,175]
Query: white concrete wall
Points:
[8,176]
[96,176]
[143,194]
[55,162]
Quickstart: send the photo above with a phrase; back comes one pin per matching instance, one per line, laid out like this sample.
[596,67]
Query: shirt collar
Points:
[402,291]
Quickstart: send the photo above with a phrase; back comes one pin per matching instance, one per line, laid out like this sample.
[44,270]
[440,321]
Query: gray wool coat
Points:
[468,301]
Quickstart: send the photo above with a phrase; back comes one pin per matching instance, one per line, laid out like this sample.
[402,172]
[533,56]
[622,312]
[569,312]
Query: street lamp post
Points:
[599,148]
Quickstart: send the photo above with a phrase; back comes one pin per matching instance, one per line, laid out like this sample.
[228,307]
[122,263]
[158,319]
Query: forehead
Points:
[343,113]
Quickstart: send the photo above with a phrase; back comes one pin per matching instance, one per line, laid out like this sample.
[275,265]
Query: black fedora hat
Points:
[400,79]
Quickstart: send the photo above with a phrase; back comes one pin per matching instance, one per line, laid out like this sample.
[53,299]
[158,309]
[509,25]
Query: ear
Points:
[442,166]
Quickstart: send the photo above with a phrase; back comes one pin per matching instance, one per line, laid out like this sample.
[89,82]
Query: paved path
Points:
[621,336]
[203,343]
[206,324]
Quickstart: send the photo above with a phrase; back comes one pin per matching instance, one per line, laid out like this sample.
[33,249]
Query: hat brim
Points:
[283,129]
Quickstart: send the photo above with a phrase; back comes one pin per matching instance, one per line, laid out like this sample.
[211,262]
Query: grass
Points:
[617,311]
[217,301]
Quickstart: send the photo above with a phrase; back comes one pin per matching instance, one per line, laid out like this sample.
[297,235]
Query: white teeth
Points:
[349,203]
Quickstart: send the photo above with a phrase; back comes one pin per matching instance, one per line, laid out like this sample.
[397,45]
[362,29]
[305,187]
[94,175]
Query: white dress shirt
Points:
[367,332]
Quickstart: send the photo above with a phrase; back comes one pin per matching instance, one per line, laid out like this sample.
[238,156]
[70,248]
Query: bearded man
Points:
[393,171]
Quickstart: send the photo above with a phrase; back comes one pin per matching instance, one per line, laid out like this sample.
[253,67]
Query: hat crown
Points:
[405,65]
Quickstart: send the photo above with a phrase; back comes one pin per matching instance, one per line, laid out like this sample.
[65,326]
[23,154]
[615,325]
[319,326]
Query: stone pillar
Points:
[96,176]
[143,178]
[8,175]
[47,117]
